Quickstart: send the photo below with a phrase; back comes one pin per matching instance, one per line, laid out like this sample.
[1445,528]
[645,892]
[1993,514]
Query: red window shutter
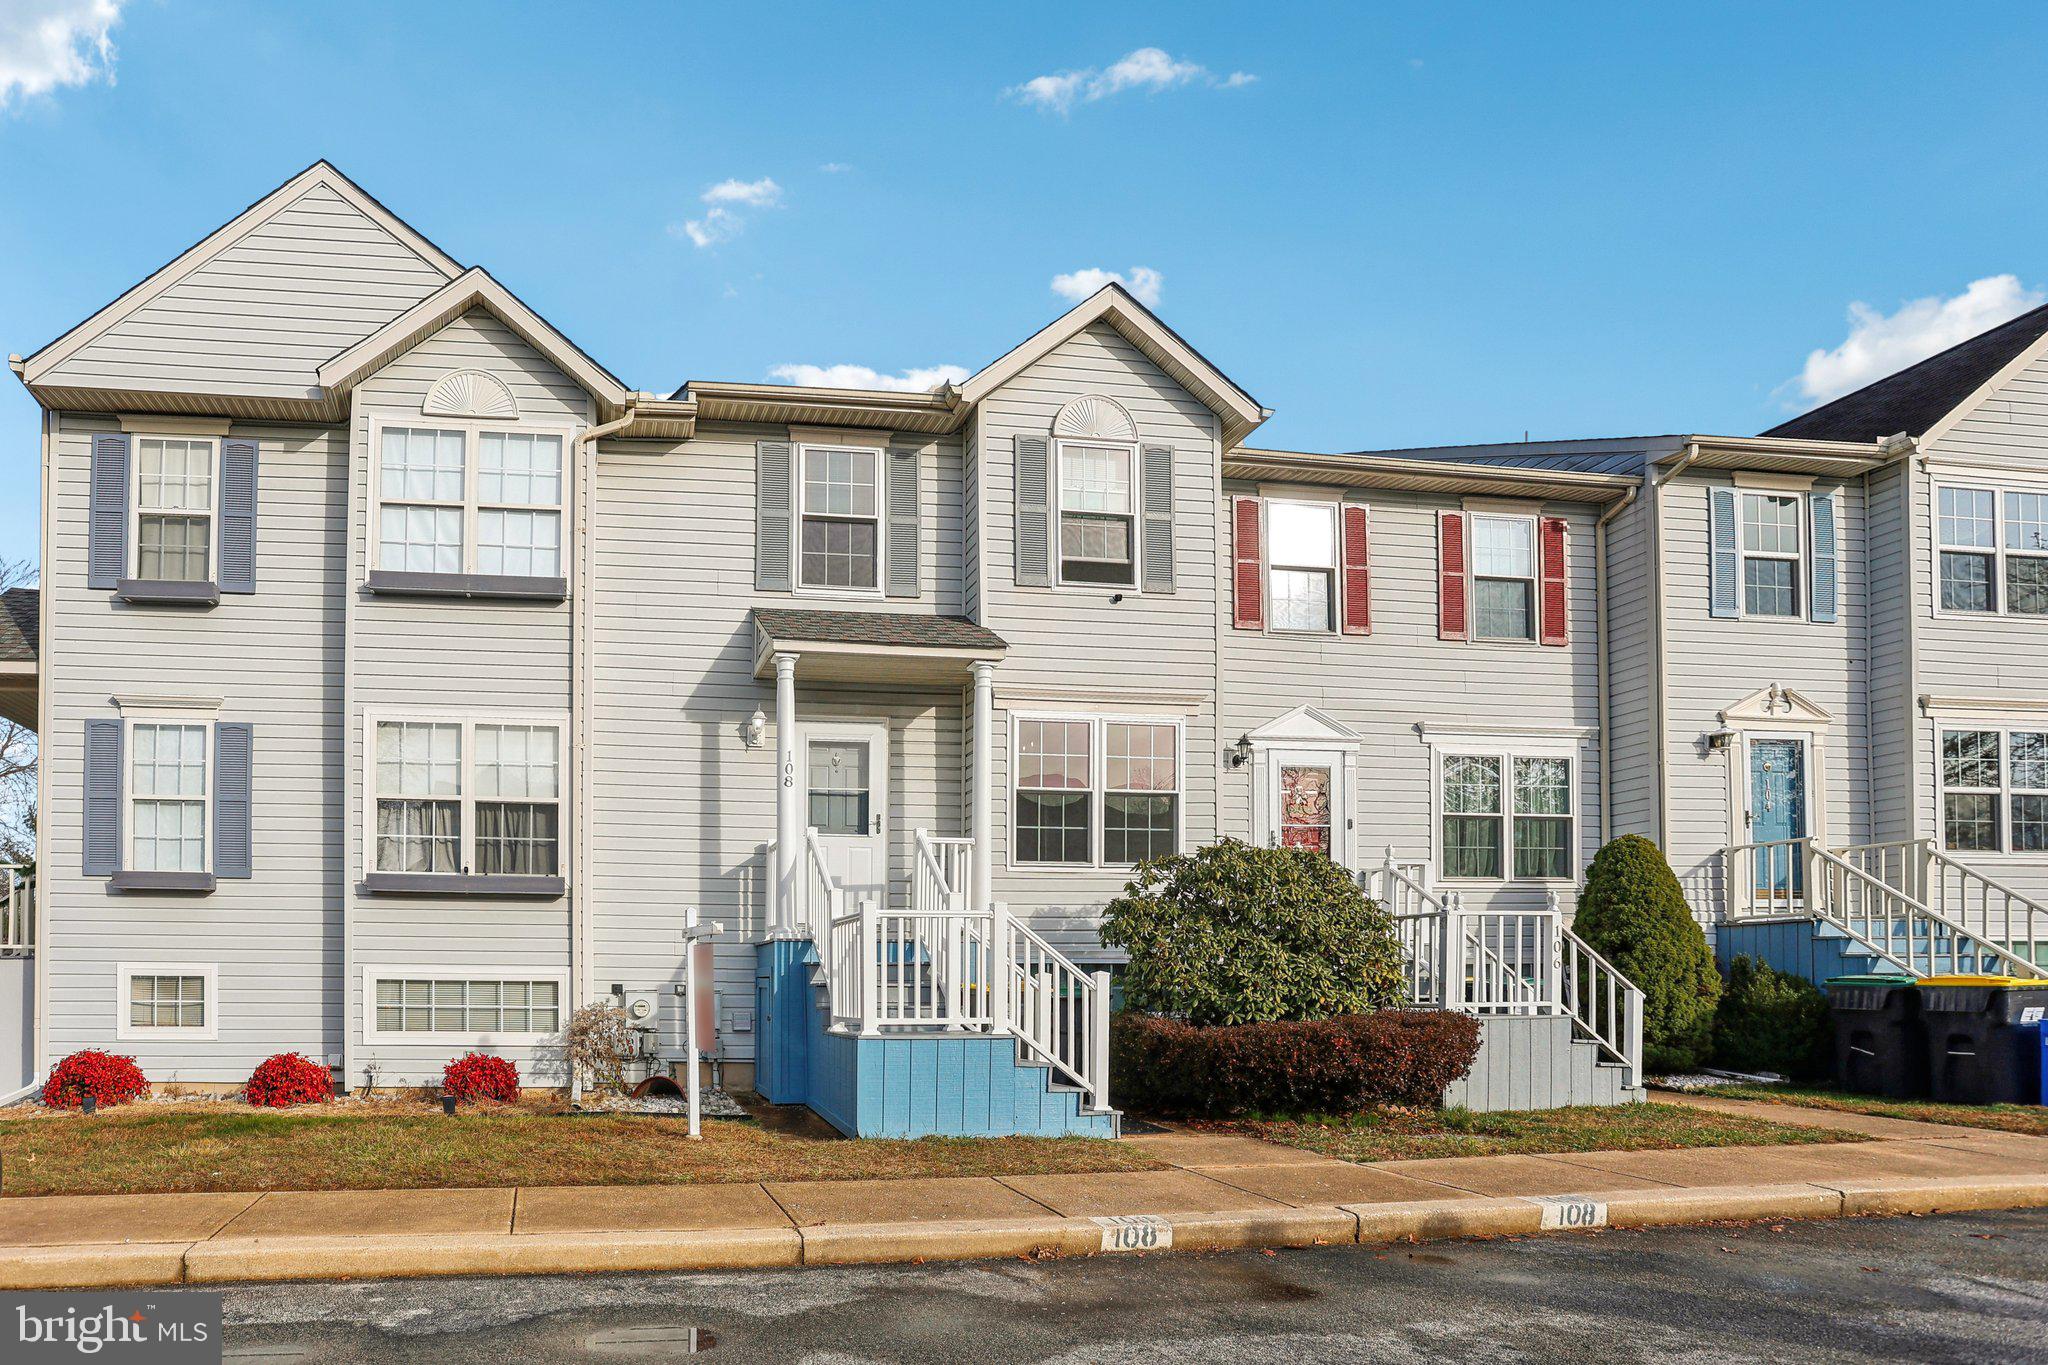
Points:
[1357,570]
[1550,535]
[1250,563]
[1453,577]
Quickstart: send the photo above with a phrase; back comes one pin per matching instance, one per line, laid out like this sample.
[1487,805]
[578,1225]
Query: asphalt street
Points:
[1952,1288]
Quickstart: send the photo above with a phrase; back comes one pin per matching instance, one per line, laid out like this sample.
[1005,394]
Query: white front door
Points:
[846,775]
[1307,805]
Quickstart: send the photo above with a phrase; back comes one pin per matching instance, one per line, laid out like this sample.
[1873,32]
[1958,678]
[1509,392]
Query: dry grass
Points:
[1397,1134]
[147,1148]
[2009,1118]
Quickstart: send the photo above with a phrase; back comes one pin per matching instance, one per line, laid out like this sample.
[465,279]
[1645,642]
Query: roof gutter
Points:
[1600,658]
[1662,692]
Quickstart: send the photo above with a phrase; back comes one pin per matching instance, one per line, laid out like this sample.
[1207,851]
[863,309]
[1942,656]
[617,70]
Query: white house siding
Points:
[1389,685]
[309,282]
[1712,664]
[274,660]
[683,810]
[451,655]
[1895,769]
[1077,638]
[1631,673]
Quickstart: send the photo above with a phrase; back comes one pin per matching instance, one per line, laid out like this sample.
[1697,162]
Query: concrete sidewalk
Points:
[1219,1192]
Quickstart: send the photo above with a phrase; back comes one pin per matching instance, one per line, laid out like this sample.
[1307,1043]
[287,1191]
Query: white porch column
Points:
[984,784]
[789,829]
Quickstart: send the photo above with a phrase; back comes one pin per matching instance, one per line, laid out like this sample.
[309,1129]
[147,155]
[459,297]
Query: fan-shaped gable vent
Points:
[469,393]
[1093,417]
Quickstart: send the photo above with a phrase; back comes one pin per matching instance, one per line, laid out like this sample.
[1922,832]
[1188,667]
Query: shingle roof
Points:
[1598,455]
[19,609]
[877,628]
[1920,395]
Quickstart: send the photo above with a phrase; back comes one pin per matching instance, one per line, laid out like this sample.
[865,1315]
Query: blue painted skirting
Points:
[1796,947]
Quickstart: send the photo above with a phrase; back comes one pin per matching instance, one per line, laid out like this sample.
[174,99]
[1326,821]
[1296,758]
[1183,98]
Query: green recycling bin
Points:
[1879,1047]
[1982,1041]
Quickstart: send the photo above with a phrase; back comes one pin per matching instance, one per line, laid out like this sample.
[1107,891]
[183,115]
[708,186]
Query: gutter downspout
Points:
[1600,629]
[1912,465]
[1662,691]
[582,610]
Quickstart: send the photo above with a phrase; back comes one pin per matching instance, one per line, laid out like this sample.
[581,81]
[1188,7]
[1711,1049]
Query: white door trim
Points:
[875,734]
[1342,761]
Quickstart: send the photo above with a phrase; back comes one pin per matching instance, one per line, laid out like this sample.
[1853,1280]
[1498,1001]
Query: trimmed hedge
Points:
[106,1076]
[287,1079]
[480,1076]
[1769,1021]
[1633,913]
[1319,1066]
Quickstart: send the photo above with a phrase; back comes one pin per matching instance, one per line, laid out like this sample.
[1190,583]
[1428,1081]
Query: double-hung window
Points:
[1503,577]
[1992,550]
[842,518]
[1301,569]
[469,500]
[1771,541]
[467,797]
[1994,791]
[165,1000]
[167,796]
[1095,792]
[1098,523]
[1505,815]
[174,509]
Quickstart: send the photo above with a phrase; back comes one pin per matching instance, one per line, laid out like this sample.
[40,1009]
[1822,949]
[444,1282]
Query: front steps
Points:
[1816,948]
[1536,1062]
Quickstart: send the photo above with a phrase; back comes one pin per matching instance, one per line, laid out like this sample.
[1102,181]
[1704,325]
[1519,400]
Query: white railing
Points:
[952,860]
[1765,880]
[1606,1006]
[1420,917]
[17,911]
[1506,962]
[820,900]
[1059,1011]
[1957,893]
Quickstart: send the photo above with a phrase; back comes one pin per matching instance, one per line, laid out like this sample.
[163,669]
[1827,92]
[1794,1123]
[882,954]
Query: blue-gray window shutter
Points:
[771,516]
[1825,511]
[102,798]
[234,745]
[106,555]
[903,538]
[1034,512]
[237,515]
[1156,480]
[1725,564]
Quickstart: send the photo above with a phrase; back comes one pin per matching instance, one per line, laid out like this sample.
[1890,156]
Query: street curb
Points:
[257,1259]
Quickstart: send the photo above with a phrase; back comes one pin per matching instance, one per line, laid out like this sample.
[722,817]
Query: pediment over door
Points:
[1304,725]
[1775,705]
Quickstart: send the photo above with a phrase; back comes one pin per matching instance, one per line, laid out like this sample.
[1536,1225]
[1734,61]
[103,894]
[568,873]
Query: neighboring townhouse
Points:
[404,679]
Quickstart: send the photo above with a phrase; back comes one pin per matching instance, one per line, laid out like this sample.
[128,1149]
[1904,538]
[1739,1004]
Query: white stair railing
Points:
[1606,1006]
[17,911]
[1507,962]
[1420,920]
[820,900]
[1958,893]
[1763,880]
[1900,928]
[1060,1012]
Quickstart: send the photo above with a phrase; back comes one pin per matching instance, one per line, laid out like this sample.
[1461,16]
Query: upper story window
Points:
[1503,577]
[1505,811]
[174,509]
[463,797]
[1994,791]
[842,518]
[1098,524]
[1301,570]
[1770,554]
[167,788]
[469,499]
[1993,549]
[1094,792]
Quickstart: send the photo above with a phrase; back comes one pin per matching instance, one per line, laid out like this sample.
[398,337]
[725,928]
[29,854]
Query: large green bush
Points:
[1633,913]
[1769,1021]
[1236,934]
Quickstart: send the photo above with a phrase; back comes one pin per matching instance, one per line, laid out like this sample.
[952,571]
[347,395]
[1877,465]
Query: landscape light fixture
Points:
[448,1105]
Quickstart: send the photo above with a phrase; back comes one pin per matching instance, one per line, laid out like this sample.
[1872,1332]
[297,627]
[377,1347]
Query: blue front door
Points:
[1777,812]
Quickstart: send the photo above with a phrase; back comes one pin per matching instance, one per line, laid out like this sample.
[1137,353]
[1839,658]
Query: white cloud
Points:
[861,377]
[47,44]
[835,167]
[724,220]
[1144,282]
[1879,344]
[1147,68]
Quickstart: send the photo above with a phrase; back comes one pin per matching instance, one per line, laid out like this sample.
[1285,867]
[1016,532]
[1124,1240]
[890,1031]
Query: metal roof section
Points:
[1427,475]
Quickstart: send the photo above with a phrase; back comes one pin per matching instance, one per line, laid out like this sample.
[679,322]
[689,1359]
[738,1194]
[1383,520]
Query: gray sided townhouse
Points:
[406,682]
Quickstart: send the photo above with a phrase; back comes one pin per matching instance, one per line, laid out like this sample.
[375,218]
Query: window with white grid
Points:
[455,499]
[166,1002]
[453,795]
[174,495]
[1098,522]
[1991,550]
[519,504]
[167,797]
[467,1005]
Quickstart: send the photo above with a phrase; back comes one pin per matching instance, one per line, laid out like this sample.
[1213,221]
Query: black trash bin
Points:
[1879,1048]
[1978,1051]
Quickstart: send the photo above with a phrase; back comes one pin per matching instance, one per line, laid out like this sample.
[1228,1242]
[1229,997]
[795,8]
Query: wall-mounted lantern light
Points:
[1240,753]
[757,729]
[1720,739]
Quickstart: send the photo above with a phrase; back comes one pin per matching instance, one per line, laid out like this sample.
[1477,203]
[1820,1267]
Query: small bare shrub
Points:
[598,1043]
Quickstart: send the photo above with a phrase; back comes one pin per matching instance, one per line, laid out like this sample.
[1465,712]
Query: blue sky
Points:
[1393,225]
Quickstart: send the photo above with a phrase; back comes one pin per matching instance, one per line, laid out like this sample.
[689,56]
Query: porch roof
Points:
[19,638]
[872,646]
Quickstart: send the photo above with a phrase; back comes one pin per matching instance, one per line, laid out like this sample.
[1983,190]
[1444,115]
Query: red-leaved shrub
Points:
[474,1076]
[1318,1066]
[107,1078]
[289,1078]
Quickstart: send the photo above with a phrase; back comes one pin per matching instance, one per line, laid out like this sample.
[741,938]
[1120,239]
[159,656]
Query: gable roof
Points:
[1139,325]
[1917,398]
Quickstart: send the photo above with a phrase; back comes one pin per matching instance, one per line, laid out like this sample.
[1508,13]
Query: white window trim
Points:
[133,560]
[1802,562]
[468,720]
[1506,754]
[796,542]
[124,972]
[1535,578]
[1998,549]
[1335,509]
[1098,769]
[1059,579]
[374,1035]
[472,430]
[130,718]
[2004,791]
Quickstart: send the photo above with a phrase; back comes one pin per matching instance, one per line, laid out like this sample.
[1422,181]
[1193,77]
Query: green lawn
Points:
[1394,1134]
[2010,1118]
